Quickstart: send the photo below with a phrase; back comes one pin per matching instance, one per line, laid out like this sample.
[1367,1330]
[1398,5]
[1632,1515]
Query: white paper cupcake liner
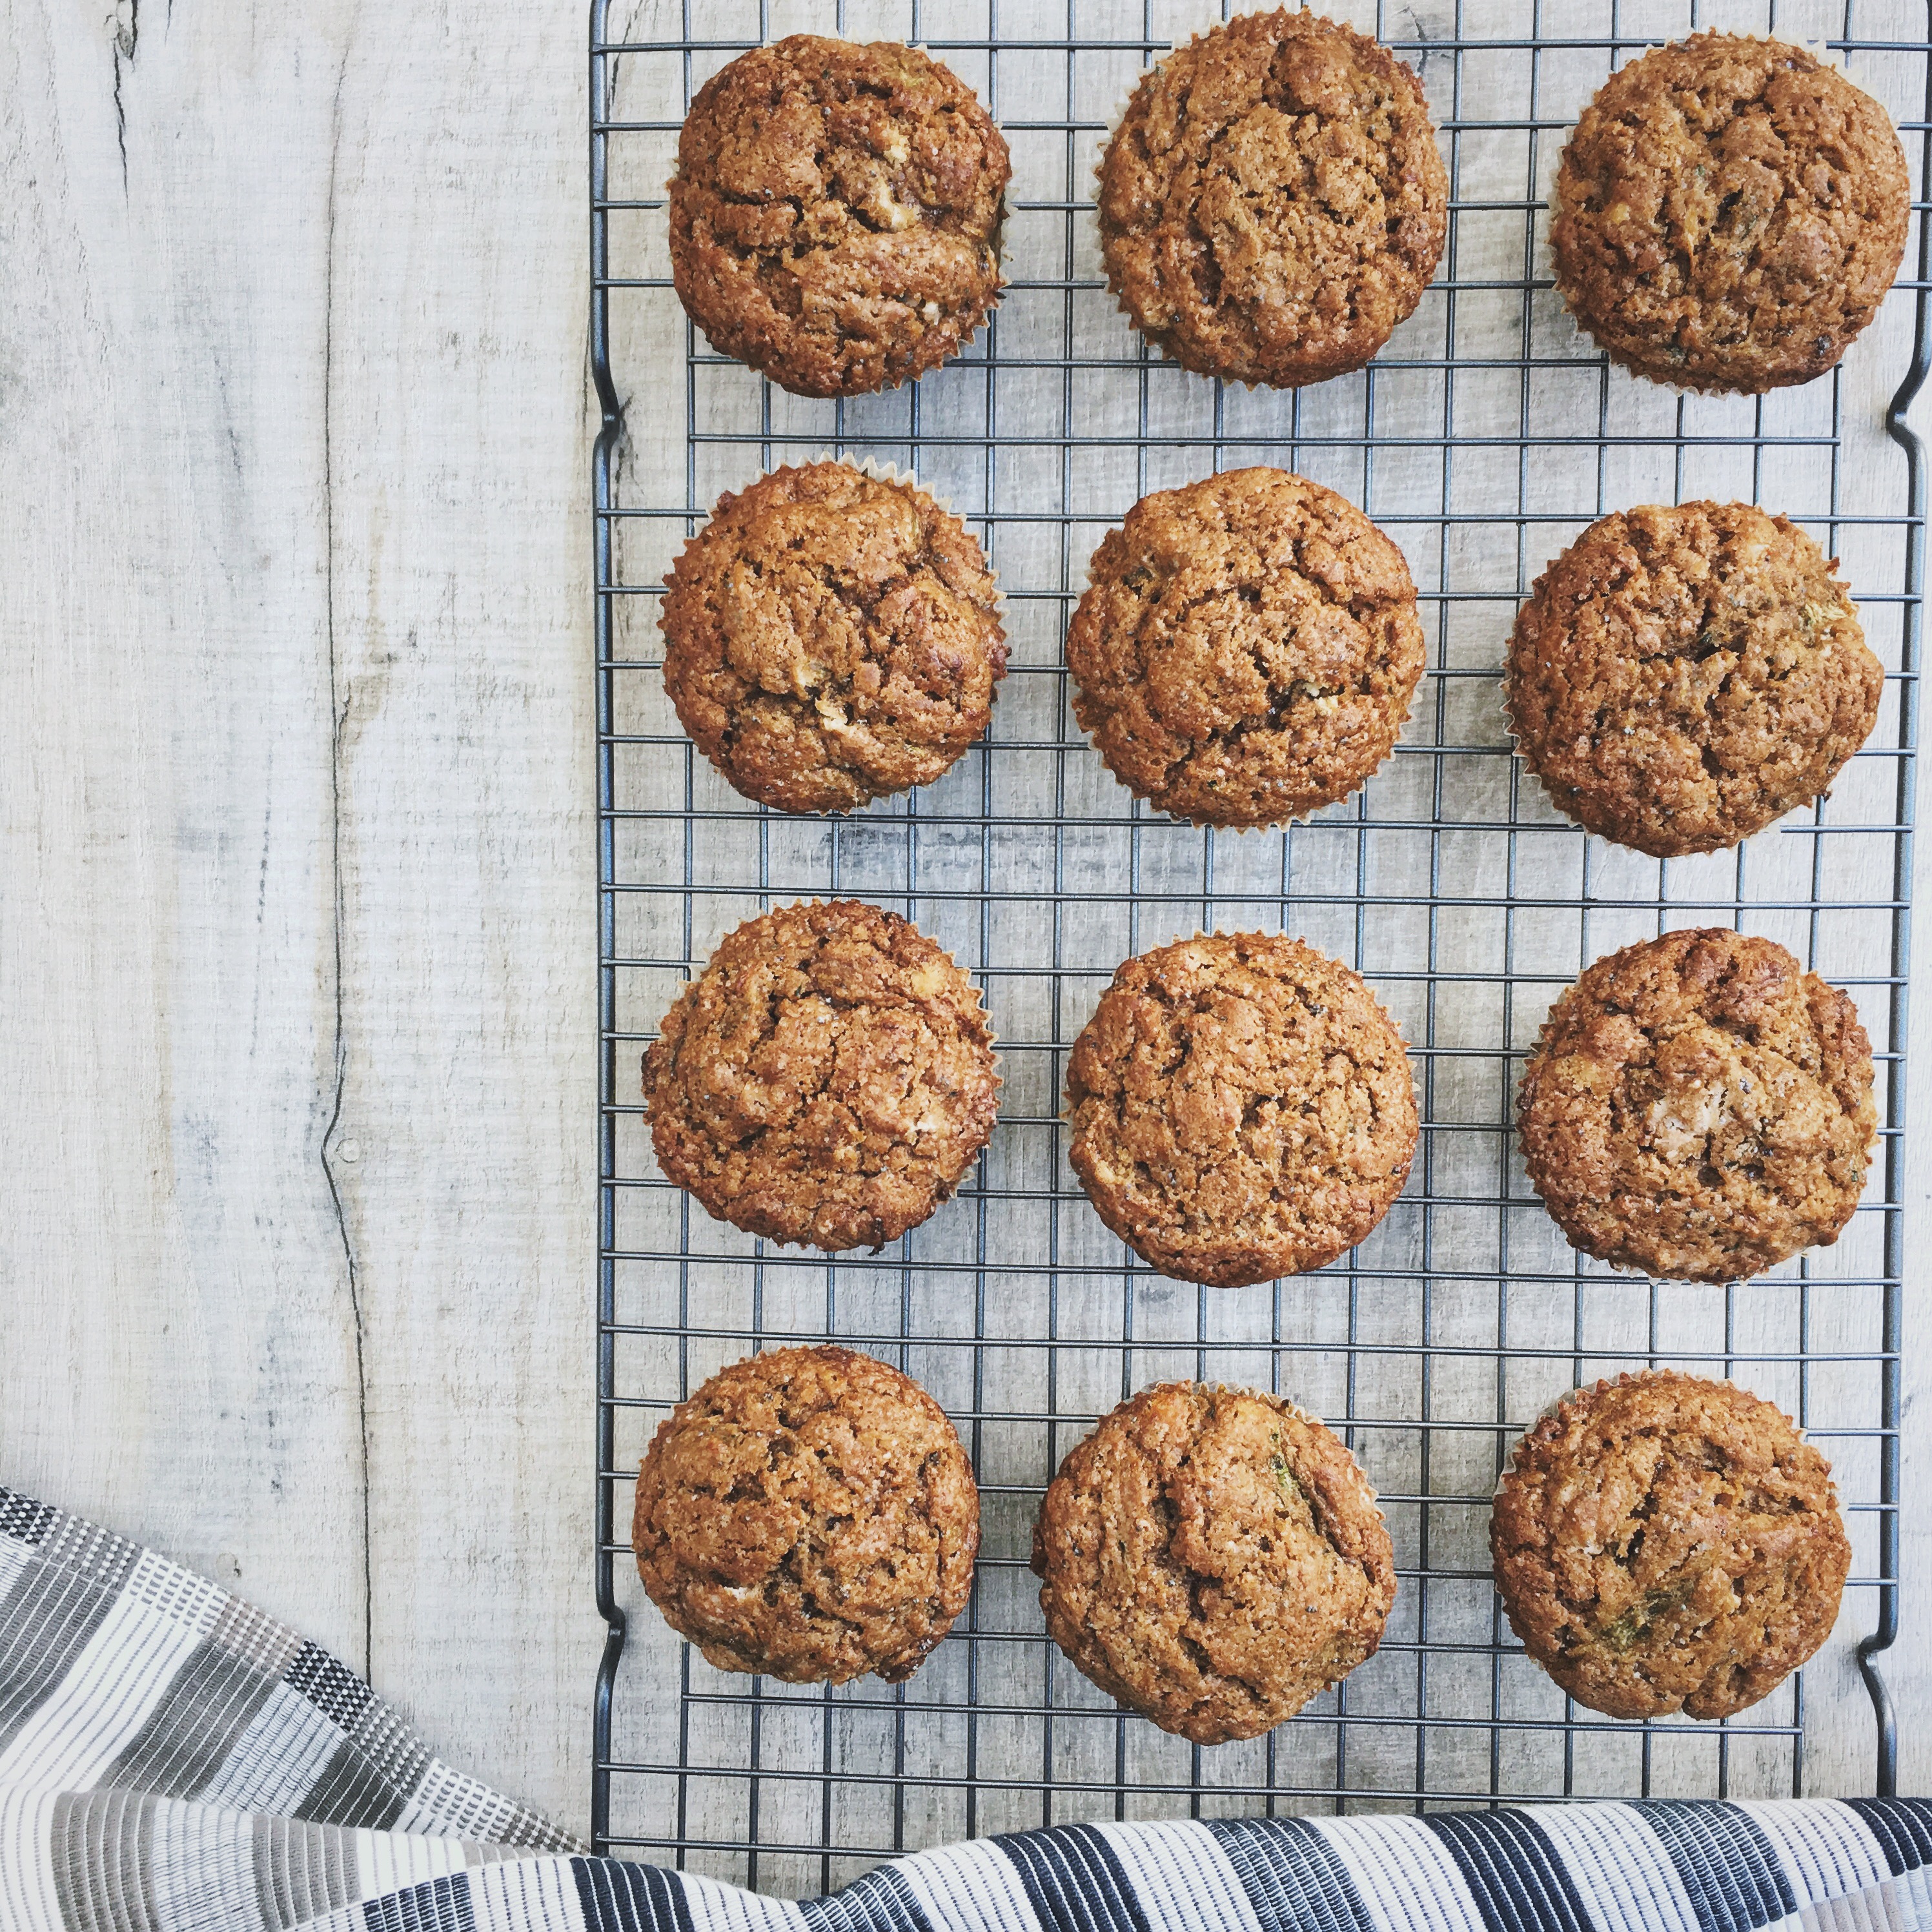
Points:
[1006,211]
[1374,999]
[1552,161]
[1295,818]
[1113,120]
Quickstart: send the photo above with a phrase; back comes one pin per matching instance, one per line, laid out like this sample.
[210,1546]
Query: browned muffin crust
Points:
[1699,1107]
[827,1078]
[1242,1107]
[835,215]
[809,1513]
[831,638]
[1273,202]
[1663,1543]
[1679,678]
[1213,1559]
[1728,214]
[1246,649]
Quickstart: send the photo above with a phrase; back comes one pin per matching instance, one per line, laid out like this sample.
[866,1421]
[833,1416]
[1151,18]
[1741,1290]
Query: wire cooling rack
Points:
[1485,437]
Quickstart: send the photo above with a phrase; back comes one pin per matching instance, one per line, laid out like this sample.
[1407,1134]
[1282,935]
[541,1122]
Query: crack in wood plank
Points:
[339,704]
[127,38]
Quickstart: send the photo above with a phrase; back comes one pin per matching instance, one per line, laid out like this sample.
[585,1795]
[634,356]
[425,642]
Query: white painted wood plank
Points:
[355,236]
[459,460]
[174,1316]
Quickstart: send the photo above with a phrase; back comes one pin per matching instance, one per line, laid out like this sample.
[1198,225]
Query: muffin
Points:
[831,638]
[1699,1107]
[835,215]
[1665,1543]
[1241,1108]
[1273,202]
[826,1079]
[1728,214]
[1680,678]
[1212,1558]
[1246,648]
[809,1513]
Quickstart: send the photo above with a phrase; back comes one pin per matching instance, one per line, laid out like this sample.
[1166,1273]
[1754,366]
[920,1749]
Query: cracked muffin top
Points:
[1273,202]
[1699,1107]
[810,1514]
[1212,1558]
[1246,648]
[831,638]
[1663,1543]
[826,1079]
[1680,678]
[1728,214]
[1242,1107]
[835,215]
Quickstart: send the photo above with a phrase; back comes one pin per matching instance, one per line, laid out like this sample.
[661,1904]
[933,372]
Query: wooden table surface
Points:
[297,938]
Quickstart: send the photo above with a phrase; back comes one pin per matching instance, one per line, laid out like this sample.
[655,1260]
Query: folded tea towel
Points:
[171,1759]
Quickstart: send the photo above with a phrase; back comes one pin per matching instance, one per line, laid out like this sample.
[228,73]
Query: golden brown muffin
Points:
[809,1513]
[1246,649]
[1679,678]
[1212,1558]
[835,215]
[1273,202]
[831,638]
[1242,1108]
[1663,1543]
[1728,214]
[826,1079]
[1699,1107]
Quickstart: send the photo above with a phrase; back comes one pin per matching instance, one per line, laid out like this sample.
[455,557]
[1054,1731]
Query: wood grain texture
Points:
[175,1321]
[296,982]
[296,870]
[458,454]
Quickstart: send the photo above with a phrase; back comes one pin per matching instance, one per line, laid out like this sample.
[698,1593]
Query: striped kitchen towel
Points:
[171,1759]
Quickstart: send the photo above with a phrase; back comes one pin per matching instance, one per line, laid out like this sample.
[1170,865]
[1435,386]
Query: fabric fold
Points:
[172,1760]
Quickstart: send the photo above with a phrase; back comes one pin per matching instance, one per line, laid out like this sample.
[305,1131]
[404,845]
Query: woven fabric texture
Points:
[171,1759]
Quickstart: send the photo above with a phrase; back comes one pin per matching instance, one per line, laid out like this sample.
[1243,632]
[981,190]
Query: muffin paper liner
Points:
[1067,1116]
[992,1044]
[879,472]
[1113,120]
[1293,818]
[1006,212]
[1820,51]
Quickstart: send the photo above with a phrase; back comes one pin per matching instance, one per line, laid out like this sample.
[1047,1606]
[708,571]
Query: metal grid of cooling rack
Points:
[1485,437]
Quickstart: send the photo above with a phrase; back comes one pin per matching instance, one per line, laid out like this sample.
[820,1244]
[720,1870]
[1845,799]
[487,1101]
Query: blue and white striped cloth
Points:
[172,1760]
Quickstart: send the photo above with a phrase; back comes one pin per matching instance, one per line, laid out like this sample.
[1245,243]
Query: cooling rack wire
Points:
[1484,438]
